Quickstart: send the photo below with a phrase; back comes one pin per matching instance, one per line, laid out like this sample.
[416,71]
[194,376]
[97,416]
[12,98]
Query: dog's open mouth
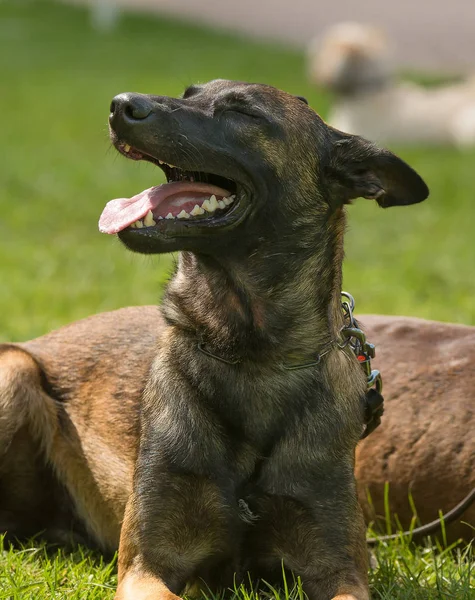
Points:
[188,197]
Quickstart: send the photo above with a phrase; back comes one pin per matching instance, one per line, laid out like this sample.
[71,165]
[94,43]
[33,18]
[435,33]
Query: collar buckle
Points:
[355,338]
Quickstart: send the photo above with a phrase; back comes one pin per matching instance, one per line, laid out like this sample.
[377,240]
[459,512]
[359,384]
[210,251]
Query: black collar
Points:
[288,367]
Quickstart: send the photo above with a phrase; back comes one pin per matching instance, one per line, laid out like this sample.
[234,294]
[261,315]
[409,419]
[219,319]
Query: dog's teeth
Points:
[149,220]
[183,215]
[221,204]
[210,204]
[132,226]
[169,216]
[160,218]
[207,206]
[228,201]
[213,202]
[126,148]
[197,210]
[160,162]
[138,224]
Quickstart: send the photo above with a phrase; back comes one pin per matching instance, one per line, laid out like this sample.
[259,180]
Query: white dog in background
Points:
[354,62]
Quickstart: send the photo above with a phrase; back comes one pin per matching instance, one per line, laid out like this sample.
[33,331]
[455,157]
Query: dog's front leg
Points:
[174,524]
[136,582]
[316,530]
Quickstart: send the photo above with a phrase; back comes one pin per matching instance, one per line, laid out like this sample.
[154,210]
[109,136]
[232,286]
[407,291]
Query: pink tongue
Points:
[122,212]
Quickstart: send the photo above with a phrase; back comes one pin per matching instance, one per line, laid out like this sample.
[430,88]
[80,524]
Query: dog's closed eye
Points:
[241,111]
[239,107]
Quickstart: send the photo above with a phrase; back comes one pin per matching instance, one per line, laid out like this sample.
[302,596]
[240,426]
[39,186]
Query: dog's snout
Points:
[131,107]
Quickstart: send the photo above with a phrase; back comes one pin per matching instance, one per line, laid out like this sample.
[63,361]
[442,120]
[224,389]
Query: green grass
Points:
[57,78]
[400,572]
[58,171]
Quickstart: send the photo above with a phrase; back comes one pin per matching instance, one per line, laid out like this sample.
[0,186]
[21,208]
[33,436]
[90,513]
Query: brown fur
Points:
[230,468]
[50,388]
[425,443]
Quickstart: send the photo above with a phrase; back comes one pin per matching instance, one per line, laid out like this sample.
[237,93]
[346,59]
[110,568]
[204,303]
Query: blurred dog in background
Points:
[354,61]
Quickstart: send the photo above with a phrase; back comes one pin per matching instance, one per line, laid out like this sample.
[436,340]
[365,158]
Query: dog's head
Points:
[350,58]
[242,157]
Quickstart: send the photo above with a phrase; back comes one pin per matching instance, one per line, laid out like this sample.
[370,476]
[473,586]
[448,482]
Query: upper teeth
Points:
[126,147]
[149,220]
[209,205]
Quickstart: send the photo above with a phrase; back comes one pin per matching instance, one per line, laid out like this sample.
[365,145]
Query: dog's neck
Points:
[273,302]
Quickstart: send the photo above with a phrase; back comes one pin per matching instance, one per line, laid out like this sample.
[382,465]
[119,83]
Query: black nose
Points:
[131,107]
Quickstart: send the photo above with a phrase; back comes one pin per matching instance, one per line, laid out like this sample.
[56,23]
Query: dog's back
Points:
[425,445]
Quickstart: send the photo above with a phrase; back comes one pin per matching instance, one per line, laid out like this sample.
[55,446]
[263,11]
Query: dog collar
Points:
[352,336]
[296,367]
[355,338]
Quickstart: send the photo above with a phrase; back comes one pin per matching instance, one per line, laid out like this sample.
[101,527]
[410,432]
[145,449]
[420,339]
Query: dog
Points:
[354,62]
[428,373]
[218,440]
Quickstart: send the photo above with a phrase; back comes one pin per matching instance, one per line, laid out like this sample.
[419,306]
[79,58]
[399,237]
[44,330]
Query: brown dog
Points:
[250,411]
[424,446]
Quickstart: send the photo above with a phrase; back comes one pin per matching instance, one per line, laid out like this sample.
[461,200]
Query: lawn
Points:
[57,78]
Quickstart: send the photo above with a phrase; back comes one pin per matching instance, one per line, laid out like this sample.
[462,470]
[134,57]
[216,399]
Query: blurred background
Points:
[60,65]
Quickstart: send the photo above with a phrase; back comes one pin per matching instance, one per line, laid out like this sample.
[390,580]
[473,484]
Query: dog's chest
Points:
[261,414]
[228,420]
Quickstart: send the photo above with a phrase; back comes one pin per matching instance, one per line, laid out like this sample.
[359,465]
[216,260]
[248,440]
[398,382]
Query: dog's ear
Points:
[357,168]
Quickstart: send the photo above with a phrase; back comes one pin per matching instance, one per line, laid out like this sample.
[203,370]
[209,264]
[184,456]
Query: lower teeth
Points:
[209,206]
